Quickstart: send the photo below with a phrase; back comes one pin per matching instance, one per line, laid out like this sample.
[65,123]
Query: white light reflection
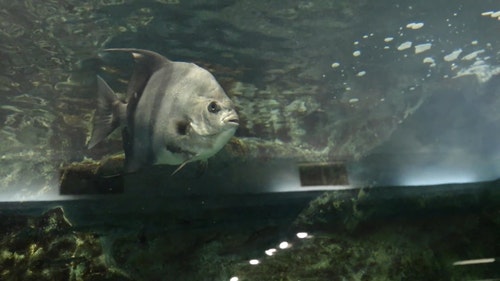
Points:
[477,261]
[37,191]
[270,252]
[284,245]
[302,235]
[234,278]
[415,25]
[404,46]
[254,262]
[453,55]
[436,177]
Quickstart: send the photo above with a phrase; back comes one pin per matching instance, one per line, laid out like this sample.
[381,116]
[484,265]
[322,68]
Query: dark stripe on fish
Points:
[128,133]
[152,121]
[158,100]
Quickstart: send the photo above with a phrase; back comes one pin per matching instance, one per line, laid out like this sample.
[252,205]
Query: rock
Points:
[46,248]
[389,234]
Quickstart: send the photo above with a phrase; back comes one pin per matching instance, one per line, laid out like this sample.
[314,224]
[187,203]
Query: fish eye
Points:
[213,107]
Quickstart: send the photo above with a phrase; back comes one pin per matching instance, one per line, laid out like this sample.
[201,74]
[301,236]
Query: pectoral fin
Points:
[180,167]
[184,164]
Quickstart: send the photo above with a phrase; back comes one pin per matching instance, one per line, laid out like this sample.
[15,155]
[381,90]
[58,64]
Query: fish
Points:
[175,113]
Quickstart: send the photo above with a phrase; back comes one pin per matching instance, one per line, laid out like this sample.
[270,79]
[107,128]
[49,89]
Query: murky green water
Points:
[399,94]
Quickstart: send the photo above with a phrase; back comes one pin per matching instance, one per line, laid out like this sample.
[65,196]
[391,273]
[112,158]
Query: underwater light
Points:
[254,262]
[476,261]
[284,245]
[234,278]
[270,252]
[302,235]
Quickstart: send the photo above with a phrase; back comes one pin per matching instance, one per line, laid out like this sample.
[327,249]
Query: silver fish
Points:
[175,113]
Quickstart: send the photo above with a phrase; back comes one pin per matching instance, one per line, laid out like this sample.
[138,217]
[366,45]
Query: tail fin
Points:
[107,115]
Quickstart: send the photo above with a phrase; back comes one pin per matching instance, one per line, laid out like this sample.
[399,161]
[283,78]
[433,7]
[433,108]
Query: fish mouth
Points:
[232,119]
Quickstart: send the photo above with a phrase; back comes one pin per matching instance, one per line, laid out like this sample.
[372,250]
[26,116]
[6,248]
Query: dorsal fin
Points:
[146,63]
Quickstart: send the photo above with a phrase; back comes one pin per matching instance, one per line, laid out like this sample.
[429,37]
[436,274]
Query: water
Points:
[396,94]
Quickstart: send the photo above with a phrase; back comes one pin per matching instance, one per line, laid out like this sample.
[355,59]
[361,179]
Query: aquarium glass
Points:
[367,142]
